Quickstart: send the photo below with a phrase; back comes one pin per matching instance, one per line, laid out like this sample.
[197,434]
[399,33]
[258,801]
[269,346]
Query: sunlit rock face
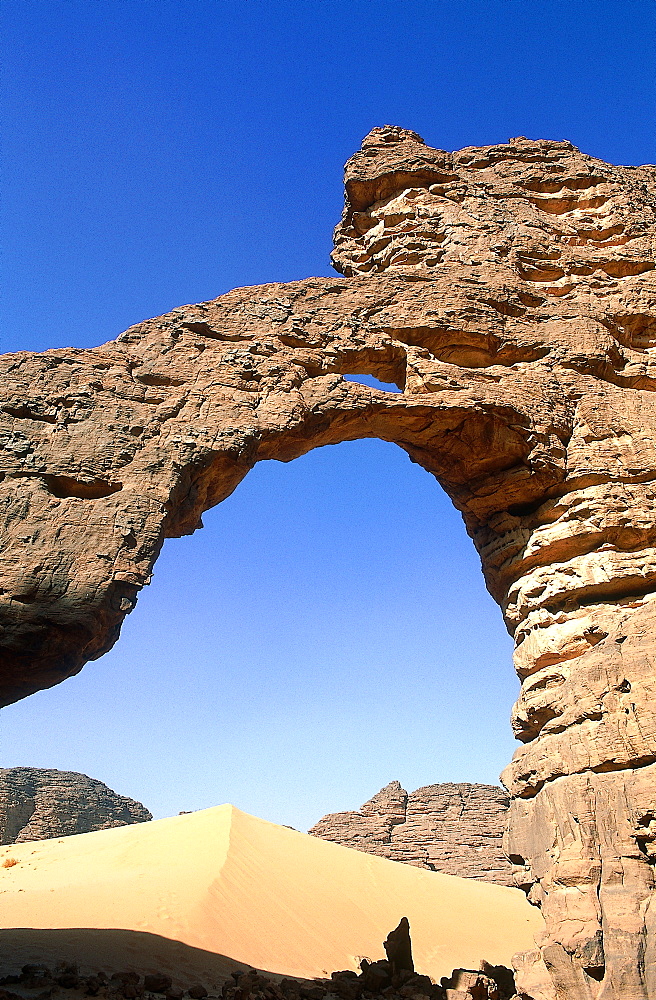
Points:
[509,292]
[456,829]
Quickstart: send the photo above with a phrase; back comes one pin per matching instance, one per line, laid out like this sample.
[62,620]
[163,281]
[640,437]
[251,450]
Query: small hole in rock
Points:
[373,382]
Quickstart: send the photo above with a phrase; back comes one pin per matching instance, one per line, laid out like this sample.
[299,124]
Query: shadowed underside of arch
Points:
[509,293]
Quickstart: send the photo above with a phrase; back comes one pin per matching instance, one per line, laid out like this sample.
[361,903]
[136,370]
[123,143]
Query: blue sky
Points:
[329,629]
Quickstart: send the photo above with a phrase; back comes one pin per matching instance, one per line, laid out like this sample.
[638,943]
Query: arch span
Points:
[509,292]
[129,443]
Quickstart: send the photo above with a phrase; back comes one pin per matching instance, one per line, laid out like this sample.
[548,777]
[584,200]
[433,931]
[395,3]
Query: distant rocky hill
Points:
[36,804]
[452,828]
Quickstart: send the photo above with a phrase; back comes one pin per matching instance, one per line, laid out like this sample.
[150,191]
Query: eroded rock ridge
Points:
[452,828]
[509,293]
[40,803]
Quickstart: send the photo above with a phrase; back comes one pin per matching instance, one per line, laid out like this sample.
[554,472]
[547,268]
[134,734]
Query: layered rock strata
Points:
[456,829]
[509,293]
[40,803]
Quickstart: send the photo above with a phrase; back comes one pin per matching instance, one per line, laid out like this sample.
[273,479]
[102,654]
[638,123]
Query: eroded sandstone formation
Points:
[509,292]
[456,829]
[39,803]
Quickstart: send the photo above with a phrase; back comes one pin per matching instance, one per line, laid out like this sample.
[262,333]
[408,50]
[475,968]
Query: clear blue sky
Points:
[329,629]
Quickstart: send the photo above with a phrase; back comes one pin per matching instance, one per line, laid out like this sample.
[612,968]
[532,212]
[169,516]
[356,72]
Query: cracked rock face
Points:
[509,292]
[40,803]
[456,829]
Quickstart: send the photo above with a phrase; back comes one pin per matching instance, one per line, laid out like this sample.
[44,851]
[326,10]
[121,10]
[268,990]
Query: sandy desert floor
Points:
[203,894]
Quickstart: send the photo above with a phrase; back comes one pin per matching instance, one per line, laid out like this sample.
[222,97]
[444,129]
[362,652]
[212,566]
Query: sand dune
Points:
[201,894]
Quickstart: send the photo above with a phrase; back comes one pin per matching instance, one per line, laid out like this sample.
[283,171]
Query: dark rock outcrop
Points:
[452,828]
[398,948]
[376,981]
[40,803]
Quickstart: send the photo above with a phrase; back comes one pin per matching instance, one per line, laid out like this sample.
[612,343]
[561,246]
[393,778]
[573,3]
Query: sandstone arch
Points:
[509,292]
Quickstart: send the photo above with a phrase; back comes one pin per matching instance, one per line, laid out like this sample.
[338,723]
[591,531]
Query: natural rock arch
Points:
[509,292]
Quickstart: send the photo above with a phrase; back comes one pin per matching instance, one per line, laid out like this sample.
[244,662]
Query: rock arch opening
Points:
[332,608]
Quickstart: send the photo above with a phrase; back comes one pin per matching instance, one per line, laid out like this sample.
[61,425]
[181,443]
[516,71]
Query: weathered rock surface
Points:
[39,803]
[452,828]
[509,292]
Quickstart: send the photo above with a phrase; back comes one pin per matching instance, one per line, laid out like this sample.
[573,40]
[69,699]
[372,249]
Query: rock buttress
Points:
[509,293]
